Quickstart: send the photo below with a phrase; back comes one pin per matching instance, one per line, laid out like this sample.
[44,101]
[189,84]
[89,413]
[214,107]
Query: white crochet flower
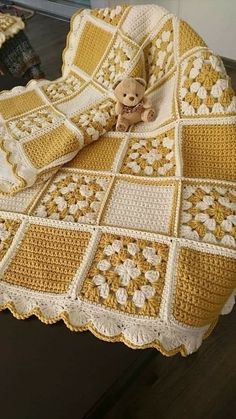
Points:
[188,233]
[208,222]
[152,276]
[115,247]
[127,271]
[139,144]
[121,295]
[140,296]
[206,202]
[103,265]
[4,234]
[151,156]
[134,166]
[151,256]
[133,249]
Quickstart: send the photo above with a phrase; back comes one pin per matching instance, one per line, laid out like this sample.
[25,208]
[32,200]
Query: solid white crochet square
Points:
[142,19]
[147,206]
[22,201]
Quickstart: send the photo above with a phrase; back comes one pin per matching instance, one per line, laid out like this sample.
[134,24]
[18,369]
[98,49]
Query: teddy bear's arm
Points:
[146,103]
[118,108]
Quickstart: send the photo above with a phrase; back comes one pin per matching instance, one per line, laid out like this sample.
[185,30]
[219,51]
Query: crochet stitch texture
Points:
[134,236]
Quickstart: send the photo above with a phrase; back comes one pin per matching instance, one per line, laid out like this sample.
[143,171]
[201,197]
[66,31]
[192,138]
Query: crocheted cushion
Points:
[134,237]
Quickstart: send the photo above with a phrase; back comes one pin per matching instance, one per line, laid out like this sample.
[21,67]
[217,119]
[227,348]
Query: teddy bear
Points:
[132,106]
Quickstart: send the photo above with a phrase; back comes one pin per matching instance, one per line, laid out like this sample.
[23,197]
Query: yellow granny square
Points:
[208,213]
[74,197]
[152,157]
[127,274]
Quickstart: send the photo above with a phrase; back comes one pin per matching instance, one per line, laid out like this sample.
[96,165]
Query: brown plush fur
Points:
[132,106]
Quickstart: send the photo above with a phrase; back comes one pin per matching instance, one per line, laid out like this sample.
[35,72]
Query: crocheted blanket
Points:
[132,238]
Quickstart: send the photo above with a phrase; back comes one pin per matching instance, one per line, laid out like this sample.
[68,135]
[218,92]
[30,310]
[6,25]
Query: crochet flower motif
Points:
[62,89]
[160,54]
[154,157]
[127,271]
[127,275]
[96,121]
[8,229]
[209,214]
[34,122]
[205,86]
[73,197]
[116,63]
[111,16]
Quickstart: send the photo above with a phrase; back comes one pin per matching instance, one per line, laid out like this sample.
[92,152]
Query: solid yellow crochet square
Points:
[204,284]
[74,197]
[42,150]
[127,274]
[98,155]
[95,40]
[20,104]
[151,156]
[47,258]
[208,212]
[188,38]
[8,229]
[200,157]
[146,205]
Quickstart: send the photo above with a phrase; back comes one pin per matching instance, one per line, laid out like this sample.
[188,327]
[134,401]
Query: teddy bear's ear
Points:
[141,81]
[116,83]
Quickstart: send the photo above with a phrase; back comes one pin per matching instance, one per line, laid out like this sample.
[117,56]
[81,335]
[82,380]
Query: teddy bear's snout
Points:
[131,98]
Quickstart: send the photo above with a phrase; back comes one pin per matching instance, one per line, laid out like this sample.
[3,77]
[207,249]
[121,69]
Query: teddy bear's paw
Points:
[121,127]
[151,115]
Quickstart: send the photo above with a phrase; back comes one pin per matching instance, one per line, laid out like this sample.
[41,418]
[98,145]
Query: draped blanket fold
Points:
[128,235]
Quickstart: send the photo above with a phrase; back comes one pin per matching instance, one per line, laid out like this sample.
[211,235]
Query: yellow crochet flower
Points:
[208,76]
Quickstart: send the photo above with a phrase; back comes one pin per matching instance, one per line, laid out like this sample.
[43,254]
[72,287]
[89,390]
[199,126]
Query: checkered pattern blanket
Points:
[133,237]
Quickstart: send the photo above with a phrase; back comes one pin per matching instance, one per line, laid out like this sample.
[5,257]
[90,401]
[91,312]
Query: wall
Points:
[214,20]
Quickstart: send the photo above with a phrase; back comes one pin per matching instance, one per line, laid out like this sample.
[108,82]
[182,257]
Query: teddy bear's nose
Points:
[131,98]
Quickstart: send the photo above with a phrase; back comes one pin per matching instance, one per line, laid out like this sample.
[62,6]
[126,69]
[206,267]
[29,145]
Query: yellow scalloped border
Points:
[155,344]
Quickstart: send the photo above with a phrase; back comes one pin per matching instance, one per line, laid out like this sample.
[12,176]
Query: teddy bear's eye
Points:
[137,94]
[124,94]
